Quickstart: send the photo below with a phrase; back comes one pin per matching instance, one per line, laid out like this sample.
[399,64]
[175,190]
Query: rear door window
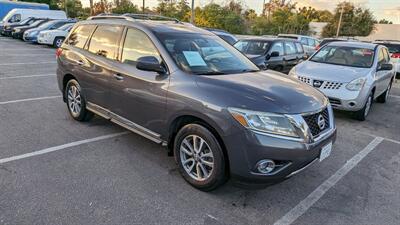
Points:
[304,41]
[277,47]
[80,35]
[290,48]
[299,48]
[311,42]
[137,45]
[105,41]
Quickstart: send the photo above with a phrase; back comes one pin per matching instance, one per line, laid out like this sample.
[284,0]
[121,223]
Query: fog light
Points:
[352,104]
[265,166]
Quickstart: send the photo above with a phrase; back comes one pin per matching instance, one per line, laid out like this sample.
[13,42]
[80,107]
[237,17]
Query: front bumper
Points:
[343,99]
[30,38]
[43,40]
[246,148]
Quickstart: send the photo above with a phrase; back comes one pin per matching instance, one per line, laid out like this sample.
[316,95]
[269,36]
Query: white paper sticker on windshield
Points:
[194,58]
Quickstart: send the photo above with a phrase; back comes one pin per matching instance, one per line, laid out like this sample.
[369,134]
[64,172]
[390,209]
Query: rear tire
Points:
[362,114]
[76,102]
[58,42]
[385,95]
[200,157]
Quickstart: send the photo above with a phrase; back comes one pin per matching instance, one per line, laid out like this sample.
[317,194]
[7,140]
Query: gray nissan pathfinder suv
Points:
[187,89]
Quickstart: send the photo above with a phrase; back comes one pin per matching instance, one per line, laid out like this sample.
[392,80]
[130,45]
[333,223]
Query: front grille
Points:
[312,122]
[335,101]
[332,85]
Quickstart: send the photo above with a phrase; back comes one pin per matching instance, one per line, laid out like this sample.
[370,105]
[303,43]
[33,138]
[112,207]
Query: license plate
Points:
[325,151]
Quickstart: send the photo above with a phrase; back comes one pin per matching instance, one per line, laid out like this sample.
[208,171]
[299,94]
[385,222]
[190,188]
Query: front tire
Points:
[58,42]
[362,114]
[200,157]
[385,95]
[76,101]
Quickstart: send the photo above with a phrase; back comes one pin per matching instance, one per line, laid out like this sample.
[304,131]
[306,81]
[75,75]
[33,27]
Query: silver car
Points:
[351,74]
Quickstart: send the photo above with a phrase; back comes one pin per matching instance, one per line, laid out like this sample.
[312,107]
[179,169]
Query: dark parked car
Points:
[7,29]
[225,35]
[18,32]
[273,53]
[185,88]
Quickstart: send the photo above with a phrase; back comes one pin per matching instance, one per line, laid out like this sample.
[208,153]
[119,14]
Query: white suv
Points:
[350,74]
[55,37]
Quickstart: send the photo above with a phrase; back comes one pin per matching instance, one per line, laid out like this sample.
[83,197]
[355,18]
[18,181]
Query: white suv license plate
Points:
[325,151]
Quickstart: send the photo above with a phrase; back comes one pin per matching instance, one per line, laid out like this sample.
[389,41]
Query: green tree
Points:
[384,21]
[356,21]
[175,9]
[124,6]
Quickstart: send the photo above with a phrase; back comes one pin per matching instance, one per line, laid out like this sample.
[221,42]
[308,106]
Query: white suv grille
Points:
[304,79]
[331,85]
[323,84]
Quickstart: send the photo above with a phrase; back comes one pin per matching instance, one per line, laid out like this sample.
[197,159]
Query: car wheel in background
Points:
[385,95]
[58,42]
[363,113]
[76,102]
[200,157]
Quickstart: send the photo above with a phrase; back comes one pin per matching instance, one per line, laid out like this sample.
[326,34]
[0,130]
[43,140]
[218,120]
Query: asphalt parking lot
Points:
[54,170]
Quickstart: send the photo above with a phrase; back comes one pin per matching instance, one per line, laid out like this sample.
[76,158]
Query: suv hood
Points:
[330,72]
[265,91]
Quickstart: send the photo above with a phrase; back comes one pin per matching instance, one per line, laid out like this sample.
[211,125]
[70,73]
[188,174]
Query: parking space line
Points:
[27,76]
[29,99]
[374,136]
[394,96]
[61,147]
[33,63]
[320,191]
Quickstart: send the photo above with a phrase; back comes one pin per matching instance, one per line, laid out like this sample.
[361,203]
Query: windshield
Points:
[36,23]
[346,56]
[65,27]
[204,54]
[47,24]
[25,21]
[252,47]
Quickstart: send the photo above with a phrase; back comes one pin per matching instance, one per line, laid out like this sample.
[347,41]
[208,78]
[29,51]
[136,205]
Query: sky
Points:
[382,9]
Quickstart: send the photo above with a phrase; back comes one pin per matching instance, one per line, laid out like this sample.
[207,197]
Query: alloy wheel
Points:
[74,100]
[196,157]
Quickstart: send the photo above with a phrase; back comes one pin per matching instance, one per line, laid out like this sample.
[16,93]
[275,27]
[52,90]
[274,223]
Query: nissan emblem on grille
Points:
[321,122]
[317,83]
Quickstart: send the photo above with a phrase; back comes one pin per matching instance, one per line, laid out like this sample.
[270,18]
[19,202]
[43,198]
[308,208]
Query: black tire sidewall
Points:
[218,175]
[83,113]
[55,41]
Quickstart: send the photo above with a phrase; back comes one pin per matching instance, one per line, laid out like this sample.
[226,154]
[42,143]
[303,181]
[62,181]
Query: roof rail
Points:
[132,17]
[150,17]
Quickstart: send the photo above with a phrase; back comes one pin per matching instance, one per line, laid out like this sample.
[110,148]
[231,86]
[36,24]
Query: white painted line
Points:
[394,96]
[312,198]
[29,100]
[60,147]
[27,76]
[33,63]
[374,136]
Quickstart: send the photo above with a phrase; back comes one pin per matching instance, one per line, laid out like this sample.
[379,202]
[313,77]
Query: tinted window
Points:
[80,35]
[299,48]
[57,25]
[393,48]
[311,42]
[277,47]
[290,48]
[252,47]
[304,41]
[347,56]
[229,39]
[104,41]
[137,45]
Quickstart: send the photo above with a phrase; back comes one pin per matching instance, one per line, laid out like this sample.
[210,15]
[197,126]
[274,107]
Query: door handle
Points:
[79,62]
[118,76]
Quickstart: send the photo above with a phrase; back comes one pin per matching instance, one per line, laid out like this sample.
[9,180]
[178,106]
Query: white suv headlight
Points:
[356,84]
[272,123]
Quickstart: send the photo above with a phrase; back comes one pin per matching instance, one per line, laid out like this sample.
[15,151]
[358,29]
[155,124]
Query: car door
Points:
[381,76]
[136,95]
[300,52]
[291,58]
[276,62]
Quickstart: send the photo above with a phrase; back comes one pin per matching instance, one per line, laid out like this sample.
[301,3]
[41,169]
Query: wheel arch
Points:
[180,121]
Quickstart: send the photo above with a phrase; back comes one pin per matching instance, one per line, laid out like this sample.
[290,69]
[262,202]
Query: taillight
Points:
[396,55]
[58,52]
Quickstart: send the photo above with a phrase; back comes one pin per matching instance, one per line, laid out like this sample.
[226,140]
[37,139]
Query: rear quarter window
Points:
[80,35]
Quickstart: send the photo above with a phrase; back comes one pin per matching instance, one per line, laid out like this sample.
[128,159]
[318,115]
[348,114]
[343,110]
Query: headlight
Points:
[356,84]
[264,122]
[32,33]
[292,72]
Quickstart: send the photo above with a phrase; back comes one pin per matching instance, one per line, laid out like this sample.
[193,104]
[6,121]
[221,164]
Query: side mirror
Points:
[274,54]
[385,66]
[150,63]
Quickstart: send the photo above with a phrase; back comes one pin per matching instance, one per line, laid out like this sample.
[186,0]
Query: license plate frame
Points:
[325,151]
